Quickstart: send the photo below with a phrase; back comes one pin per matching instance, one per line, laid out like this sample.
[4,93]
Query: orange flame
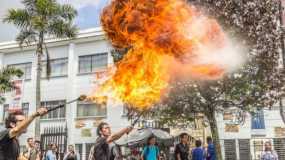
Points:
[166,39]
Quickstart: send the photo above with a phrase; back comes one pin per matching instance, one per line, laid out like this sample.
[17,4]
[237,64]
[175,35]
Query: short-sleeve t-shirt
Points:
[182,150]
[150,152]
[198,153]
[9,147]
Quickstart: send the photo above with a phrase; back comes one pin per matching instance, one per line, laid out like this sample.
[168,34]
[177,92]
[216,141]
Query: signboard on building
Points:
[86,132]
[232,128]
[279,132]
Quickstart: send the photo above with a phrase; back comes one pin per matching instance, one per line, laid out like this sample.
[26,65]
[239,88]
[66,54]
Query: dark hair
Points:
[29,139]
[198,143]
[100,127]
[149,139]
[49,146]
[37,141]
[183,134]
[12,118]
[209,139]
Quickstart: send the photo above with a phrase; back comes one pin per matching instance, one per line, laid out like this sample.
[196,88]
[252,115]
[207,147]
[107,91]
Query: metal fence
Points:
[250,149]
[55,135]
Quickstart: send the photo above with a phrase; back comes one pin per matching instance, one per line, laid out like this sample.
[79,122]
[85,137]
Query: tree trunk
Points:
[281,110]
[215,134]
[39,54]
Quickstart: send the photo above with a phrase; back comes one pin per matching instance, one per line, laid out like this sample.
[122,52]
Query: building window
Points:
[90,63]
[25,108]
[88,109]
[257,120]
[5,111]
[59,113]
[58,67]
[26,68]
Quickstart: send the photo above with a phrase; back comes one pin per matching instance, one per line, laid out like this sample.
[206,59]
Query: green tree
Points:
[6,84]
[258,84]
[40,19]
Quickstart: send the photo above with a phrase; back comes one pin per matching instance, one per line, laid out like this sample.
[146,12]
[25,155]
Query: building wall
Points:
[244,132]
[272,120]
[66,88]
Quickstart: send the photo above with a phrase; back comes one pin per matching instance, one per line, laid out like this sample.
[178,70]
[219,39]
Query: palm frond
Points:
[6,84]
[19,17]
[62,29]
[67,12]
[46,7]
[6,75]
[30,5]
[26,36]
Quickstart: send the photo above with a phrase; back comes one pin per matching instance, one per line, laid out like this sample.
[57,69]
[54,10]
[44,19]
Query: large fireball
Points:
[167,39]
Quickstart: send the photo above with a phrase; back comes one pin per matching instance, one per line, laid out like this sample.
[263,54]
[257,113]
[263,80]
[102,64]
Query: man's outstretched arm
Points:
[119,134]
[25,123]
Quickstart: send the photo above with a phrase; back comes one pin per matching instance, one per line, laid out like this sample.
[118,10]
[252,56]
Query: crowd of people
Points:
[198,152]
[104,147]
[33,151]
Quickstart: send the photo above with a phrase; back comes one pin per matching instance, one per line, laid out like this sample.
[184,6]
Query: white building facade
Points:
[244,139]
[76,65]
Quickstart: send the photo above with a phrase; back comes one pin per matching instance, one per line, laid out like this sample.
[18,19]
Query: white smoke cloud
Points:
[230,57]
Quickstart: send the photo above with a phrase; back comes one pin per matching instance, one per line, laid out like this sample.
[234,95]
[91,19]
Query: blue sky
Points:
[88,15]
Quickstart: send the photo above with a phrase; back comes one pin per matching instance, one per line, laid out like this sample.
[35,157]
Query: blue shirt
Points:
[198,154]
[150,152]
[50,155]
[211,152]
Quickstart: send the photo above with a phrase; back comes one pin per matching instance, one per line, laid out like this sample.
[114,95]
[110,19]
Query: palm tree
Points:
[39,19]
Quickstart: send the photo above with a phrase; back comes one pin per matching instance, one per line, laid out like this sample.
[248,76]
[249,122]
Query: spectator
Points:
[269,153]
[211,151]
[151,151]
[38,148]
[71,155]
[31,153]
[198,152]
[51,152]
[182,149]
